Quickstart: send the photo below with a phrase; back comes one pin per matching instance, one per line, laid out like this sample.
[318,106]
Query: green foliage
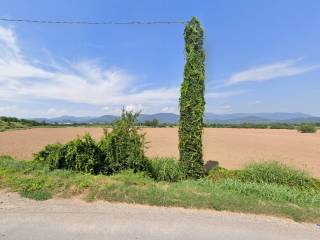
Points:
[274,192]
[267,173]
[7,123]
[34,180]
[52,154]
[34,189]
[153,123]
[220,173]
[252,125]
[124,146]
[81,154]
[192,101]
[307,128]
[282,126]
[277,173]
[166,169]
[16,120]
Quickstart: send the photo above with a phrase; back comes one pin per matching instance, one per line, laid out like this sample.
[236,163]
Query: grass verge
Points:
[36,181]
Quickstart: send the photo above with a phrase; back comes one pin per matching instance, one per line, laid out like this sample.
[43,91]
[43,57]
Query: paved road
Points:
[74,219]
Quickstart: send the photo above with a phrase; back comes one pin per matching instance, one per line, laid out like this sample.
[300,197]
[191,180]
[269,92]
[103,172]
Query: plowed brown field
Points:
[232,148]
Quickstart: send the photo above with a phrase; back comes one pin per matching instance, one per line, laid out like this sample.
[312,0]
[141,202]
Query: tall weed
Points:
[166,169]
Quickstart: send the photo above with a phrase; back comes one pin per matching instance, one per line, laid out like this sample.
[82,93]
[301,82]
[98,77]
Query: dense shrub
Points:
[192,101]
[307,128]
[81,154]
[166,169]
[53,155]
[123,147]
[120,149]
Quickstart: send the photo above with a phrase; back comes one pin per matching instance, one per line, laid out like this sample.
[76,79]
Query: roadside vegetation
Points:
[120,149]
[267,188]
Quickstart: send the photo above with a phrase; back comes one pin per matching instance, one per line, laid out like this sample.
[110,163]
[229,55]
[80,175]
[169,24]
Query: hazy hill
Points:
[281,117]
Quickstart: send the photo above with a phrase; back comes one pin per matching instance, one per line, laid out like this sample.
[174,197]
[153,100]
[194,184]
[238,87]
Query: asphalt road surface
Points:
[74,219]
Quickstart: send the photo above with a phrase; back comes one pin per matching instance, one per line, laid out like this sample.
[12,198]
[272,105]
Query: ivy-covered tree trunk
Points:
[192,101]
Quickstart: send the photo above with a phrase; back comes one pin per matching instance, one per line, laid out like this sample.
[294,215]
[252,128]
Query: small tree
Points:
[192,101]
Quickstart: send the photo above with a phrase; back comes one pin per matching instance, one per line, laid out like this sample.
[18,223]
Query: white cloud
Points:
[8,40]
[25,79]
[79,82]
[133,108]
[271,71]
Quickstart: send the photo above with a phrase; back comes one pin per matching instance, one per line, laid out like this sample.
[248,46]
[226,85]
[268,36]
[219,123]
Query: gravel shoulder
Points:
[76,219]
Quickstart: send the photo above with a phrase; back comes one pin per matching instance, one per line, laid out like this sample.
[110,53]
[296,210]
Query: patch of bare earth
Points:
[232,148]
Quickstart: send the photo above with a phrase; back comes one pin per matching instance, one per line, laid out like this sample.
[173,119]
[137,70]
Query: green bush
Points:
[52,155]
[84,155]
[120,149]
[307,128]
[166,169]
[123,147]
[81,154]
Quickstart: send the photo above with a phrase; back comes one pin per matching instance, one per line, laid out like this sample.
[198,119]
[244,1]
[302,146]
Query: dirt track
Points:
[232,148]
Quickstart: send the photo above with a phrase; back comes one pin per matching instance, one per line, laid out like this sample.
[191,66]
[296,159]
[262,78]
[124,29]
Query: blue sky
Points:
[262,56]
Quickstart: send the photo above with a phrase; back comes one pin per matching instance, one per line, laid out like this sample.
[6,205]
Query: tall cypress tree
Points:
[192,101]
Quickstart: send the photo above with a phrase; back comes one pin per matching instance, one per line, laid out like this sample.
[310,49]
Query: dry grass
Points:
[232,148]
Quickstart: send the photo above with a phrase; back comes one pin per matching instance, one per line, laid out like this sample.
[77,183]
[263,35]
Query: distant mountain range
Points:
[280,117]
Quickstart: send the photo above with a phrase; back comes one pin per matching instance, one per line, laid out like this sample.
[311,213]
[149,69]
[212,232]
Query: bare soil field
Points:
[231,148]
